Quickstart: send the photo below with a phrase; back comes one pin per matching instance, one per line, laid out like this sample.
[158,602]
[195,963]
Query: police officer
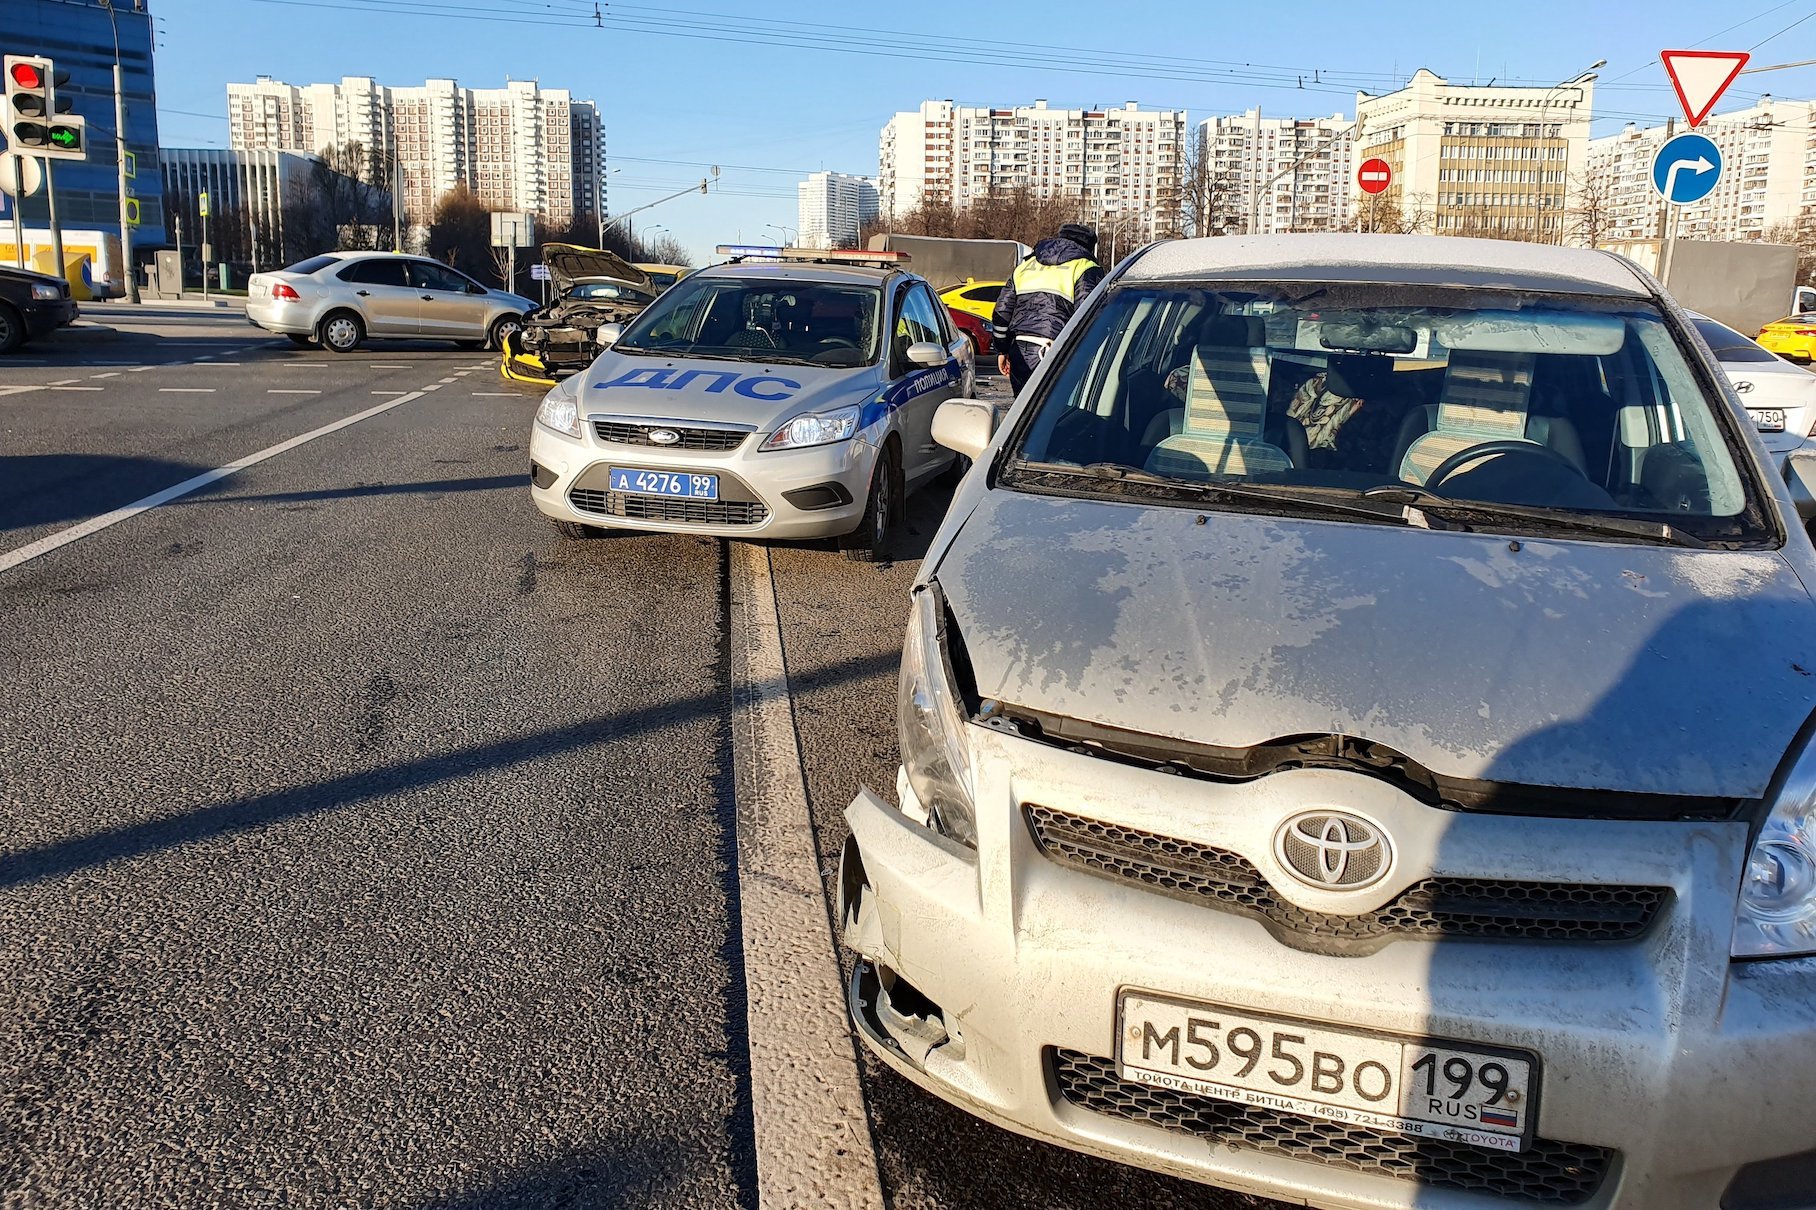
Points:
[1040,297]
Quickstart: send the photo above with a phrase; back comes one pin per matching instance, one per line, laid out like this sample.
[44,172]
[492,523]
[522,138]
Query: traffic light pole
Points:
[19,209]
[132,279]
[50,184]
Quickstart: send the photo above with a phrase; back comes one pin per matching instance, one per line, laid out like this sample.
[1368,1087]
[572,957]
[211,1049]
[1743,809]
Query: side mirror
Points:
[1800,477]
[608,335]
[965,426]
[926,353]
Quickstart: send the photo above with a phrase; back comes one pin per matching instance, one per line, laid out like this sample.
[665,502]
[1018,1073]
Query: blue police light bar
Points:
[749,250]
[856,256]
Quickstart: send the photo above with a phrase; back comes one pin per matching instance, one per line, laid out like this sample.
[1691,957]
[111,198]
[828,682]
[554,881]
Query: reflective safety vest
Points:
[1032,277]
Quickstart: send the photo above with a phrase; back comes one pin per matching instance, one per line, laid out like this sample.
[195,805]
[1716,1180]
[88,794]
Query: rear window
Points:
[987,294]
[1729,345]
[314,264]
[1370,394]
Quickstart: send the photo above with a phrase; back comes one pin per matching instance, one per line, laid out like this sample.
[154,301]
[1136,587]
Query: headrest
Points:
[1235,332]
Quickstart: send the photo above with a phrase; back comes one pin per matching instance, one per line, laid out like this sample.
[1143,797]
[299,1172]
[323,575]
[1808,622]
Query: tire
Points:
[575,531]
[874,538]
[341,332]
[12,329]
[301,341]
[503,326]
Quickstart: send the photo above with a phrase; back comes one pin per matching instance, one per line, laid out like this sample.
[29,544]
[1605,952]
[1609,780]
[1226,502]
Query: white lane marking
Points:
[446,381]
[18,390]
[185,390]
[390,367]
[274,392]
[390,392]
[95,525]
[109,374]
[813,1138]
[433,387]
[141,369]
[206,361]
[494,394]
[78,388]
[61,382]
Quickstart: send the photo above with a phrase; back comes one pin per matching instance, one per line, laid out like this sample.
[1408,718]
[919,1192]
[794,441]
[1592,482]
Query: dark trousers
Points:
[1023,357]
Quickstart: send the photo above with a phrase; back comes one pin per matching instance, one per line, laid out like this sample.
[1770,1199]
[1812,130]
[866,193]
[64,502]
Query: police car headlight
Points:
[560,410]
[1776,917]
[816,428]
[931,724]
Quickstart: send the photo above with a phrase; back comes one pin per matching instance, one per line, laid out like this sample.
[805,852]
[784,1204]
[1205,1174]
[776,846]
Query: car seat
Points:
[1485,399]
[1547,420]
[1226,408]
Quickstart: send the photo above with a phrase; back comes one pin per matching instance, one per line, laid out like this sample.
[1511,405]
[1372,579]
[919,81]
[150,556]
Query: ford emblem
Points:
[663,436]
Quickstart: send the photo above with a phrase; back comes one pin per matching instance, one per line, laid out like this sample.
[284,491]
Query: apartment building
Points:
[520,147]
[831,207]
[1269,175]
[1768,177]
[1478,159]
[1123,164]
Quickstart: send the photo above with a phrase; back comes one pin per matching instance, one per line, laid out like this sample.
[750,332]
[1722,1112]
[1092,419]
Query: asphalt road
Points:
[364,844]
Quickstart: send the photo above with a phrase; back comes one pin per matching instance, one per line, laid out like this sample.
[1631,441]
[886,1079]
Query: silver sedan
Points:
[339,299]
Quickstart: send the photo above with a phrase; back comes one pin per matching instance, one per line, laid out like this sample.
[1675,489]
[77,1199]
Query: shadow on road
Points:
[427,487]
[45,489]
[639,1172]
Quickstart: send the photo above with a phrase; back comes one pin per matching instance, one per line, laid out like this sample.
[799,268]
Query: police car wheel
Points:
[576,531]
[874,538]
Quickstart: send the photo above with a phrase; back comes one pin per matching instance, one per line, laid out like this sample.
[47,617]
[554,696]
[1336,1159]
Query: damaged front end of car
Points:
[592,288]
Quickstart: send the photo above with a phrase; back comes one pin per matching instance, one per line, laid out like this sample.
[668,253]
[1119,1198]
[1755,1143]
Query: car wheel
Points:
[503,326]
[299,340]
[12,329]
[576,531]
[874,538]
[342,332]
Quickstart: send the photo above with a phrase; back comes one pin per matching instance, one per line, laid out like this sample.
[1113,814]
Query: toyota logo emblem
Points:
[1333,850]
[664,436]
[1743,387]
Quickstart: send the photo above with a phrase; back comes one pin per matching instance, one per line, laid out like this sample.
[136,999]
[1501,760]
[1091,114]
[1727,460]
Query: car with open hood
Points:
[1358,736]
[592,288]
[784,394]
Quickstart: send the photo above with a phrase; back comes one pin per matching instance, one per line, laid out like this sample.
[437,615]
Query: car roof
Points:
[1411,259]
[810,271]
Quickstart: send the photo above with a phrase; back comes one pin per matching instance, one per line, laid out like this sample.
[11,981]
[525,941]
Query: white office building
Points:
[520,147]
[1124,164]
[1274,175]
[831,207]
[1477,159]
[1768,176]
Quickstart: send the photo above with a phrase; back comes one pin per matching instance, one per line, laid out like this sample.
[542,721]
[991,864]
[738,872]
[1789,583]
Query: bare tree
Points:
[1394,215]
[1801,235]
[670,251]
[460,233]
[1591,213]
[1207,191]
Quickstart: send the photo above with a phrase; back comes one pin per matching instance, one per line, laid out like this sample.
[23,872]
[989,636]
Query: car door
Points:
[380,290]
[921,389]
[454,306]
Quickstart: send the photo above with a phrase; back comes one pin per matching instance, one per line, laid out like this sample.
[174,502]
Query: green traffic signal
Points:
[66,137]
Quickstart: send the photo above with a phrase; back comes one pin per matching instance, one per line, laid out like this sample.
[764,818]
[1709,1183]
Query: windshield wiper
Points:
[1559,518]
[1250,493]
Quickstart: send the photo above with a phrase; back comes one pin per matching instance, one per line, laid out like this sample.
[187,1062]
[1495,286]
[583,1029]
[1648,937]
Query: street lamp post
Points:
[789,239]
[132,281]
[1538,186]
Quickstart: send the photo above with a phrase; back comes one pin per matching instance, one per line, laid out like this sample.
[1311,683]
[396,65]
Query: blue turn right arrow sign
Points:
[1686,169]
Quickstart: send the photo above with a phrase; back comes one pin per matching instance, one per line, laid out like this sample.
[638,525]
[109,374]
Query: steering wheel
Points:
[838,342]
[1487,449]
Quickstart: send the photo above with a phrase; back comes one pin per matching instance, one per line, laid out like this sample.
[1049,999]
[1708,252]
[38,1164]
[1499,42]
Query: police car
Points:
[787,393]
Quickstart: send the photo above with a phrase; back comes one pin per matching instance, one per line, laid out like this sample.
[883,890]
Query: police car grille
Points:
[619,433]
[1435,907]
[1559,1174]
[663,508]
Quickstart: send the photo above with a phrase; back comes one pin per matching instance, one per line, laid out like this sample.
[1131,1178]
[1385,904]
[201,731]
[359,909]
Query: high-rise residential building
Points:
[832,206]
[1123,165]
[1477,160]
[1768,178]
[520,147]
[78,35]
[1266,175]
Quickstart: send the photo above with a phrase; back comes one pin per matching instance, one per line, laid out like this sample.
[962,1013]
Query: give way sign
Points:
[1701,76]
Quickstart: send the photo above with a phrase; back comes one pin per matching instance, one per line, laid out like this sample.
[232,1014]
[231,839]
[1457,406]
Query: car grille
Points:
[663,508]
[1435,907]
[1562,1174]
[619,433]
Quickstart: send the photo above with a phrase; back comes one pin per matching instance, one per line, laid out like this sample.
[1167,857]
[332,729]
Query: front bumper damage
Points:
[991,978]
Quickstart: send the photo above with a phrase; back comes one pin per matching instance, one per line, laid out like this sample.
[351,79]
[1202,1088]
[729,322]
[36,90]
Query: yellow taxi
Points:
[1792,338]
[664,276]
[973,297]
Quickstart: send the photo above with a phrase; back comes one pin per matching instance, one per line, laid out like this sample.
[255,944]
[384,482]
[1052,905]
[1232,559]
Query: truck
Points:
[1745,285]
[91,259]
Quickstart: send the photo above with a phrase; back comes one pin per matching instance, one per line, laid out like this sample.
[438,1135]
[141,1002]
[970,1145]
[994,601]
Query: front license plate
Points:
[1417,1086]
[1767,420]
[665,483]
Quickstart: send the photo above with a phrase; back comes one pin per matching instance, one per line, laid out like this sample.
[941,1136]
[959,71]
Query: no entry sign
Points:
[1374,176]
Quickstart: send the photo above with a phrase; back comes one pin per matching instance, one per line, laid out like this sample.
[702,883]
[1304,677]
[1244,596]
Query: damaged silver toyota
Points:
[1356,732]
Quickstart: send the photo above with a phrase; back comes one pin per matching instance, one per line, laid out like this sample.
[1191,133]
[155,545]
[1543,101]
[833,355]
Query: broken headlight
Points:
[931,720]
[1776,916]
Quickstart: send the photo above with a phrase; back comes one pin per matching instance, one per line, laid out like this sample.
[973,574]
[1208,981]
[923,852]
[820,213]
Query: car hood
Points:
[30,275]
[1594,666]
[726,392]
[567,263]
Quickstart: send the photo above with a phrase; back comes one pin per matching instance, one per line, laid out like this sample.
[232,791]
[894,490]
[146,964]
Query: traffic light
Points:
[38,121]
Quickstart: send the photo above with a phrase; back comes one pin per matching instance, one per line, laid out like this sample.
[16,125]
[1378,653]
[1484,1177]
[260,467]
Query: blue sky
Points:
[756,89]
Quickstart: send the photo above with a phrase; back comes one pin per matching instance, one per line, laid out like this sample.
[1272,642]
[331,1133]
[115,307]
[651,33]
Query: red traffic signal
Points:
[26,75]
